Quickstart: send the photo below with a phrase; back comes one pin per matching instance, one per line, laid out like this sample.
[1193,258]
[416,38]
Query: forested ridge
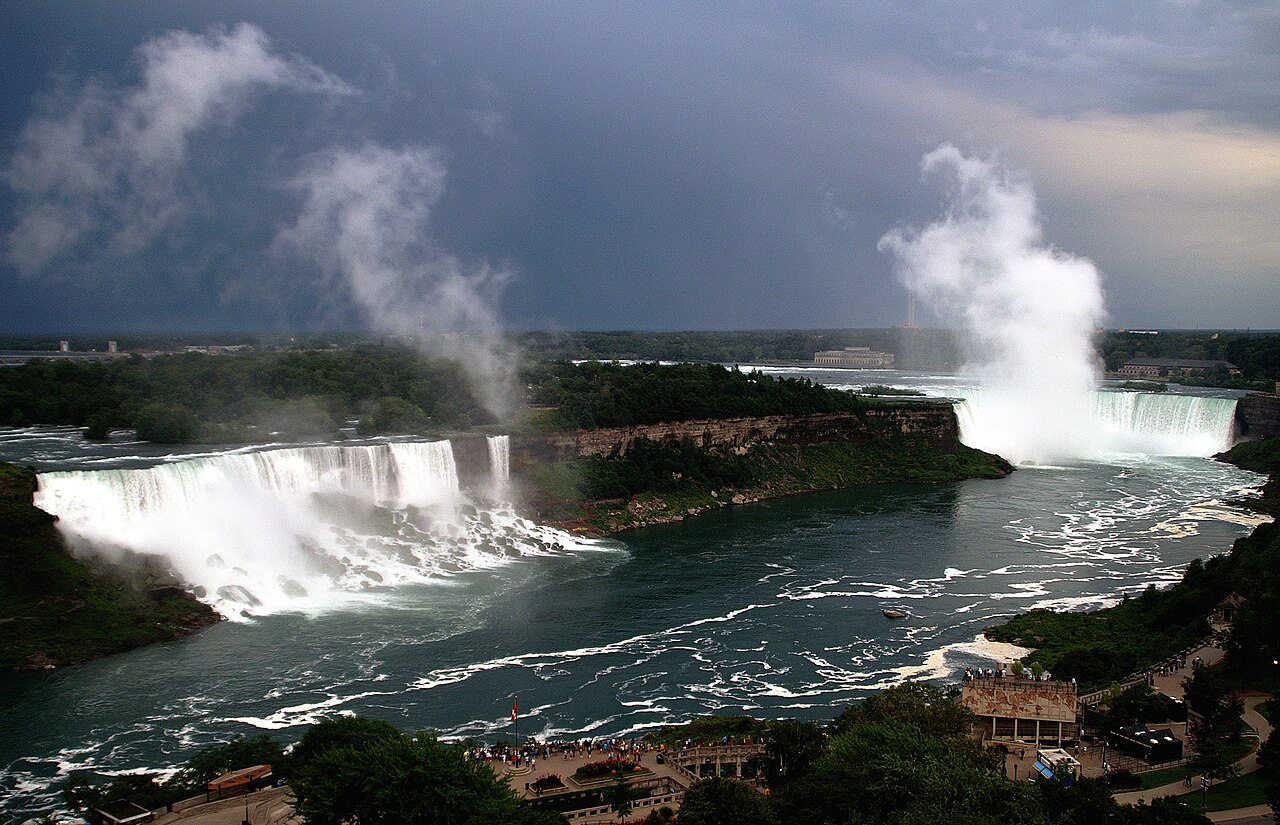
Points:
[602,394]
[244,397]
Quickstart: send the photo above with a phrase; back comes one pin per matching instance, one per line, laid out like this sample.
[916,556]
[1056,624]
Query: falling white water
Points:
[500,458]
[1028,311]
[294,529]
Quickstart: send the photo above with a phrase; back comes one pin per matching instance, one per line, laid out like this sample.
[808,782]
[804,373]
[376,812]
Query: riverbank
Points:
[1102,646]
[57,610]
[663,484]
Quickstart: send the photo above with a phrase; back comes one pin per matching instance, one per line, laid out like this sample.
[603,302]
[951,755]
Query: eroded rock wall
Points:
[1258,416]
[937,422]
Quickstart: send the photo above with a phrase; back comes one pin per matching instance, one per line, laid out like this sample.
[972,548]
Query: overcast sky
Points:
[269,166]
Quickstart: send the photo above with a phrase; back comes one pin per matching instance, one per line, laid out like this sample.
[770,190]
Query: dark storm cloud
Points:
[110,160]
[707,166]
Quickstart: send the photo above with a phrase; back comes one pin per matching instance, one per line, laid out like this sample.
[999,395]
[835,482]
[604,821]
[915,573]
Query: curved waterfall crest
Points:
[1166,424]
[298,528]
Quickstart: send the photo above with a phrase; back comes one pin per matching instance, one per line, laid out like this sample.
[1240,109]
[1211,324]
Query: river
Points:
[439,612]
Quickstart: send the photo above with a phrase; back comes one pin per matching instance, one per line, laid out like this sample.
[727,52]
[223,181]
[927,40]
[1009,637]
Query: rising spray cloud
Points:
[365,218]
[1027,310]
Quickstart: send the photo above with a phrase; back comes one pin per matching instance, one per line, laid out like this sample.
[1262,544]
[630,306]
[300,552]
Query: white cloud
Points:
[110,159]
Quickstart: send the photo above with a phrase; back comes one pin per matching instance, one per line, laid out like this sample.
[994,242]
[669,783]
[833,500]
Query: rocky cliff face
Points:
[1258,416]
[937,422]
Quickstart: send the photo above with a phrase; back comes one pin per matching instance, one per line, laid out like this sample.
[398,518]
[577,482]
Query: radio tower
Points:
[911,313]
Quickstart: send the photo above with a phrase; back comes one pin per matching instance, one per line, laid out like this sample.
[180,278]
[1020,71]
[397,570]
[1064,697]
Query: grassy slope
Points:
[55,609]
[778,469]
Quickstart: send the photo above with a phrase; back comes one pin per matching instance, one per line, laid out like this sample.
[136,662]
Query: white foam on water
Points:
[298,529]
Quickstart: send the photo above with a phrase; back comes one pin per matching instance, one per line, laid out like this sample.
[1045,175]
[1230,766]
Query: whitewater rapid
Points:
[300,529]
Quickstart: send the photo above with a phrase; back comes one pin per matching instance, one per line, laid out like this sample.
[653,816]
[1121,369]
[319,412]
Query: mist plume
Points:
[1028,311]
[366,219]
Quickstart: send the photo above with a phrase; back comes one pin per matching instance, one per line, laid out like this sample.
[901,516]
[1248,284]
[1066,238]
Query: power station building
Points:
[864,357]
[1173,367]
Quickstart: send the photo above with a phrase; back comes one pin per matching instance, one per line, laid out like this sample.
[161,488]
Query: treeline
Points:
[904,755]
[245,397]
[1256,354]
[1104,646]
[601,394]
[915,349]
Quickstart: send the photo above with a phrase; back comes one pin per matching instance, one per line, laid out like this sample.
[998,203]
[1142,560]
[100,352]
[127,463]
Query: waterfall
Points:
[500,458]
[294,529]
[1119,423]
[1166,423]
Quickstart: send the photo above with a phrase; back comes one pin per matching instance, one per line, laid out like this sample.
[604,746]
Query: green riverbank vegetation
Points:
[56,609]
[244,398]
[656,483]
[1104,646]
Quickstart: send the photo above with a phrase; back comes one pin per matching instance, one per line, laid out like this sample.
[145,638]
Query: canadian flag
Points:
[513,710]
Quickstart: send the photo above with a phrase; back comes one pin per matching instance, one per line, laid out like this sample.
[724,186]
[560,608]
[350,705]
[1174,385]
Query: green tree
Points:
[345,732]
[619,796]
[923,705]
[404,779]
[391,414]
[791,748]
[887,771]
[721,801]
[218,759]
[143,789]
[166,423]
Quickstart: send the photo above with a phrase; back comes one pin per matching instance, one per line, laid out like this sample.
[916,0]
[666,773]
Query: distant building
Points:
[14,358]
[1171,367]
[1013,709]
[864,357]
[218,349]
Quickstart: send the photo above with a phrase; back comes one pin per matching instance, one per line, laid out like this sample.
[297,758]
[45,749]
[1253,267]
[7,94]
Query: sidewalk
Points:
[1248,764]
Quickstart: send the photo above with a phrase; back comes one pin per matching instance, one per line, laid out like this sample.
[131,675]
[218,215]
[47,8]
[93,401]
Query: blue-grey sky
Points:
[246,165]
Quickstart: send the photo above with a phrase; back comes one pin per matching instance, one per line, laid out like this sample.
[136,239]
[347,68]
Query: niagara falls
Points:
[534,414]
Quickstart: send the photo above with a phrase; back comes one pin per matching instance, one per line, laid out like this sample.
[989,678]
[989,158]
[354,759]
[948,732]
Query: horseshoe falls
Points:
[1113,424]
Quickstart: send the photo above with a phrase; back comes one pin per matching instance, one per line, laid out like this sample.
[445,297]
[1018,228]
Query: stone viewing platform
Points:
[549,774]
